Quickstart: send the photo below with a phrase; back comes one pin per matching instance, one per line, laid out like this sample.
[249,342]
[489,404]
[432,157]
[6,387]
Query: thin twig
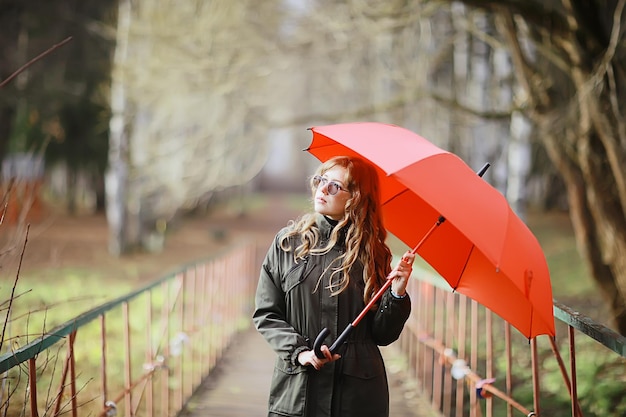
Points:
[35,59]
[17,277]
[5,200]
[2,304]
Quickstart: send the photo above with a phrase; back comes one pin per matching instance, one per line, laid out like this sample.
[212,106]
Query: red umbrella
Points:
[482,249]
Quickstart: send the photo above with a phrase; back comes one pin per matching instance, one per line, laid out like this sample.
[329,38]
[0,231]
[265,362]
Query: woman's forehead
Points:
[336,173]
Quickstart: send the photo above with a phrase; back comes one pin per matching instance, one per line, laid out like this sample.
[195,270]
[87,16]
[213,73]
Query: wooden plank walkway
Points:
[238,386]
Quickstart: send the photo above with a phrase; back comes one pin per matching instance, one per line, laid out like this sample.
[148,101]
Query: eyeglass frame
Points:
[333,187]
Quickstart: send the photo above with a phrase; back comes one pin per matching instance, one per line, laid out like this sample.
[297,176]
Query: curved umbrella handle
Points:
[319,340]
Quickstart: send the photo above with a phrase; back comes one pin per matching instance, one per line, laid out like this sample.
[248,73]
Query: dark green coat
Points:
[290,313]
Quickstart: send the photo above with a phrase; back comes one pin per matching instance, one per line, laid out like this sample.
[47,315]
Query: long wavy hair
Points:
[362,226]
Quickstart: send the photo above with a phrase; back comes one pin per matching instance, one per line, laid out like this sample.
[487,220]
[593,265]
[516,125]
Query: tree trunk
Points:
[7,115]
[71,180]
[116,177]
[585,232]
[518,163]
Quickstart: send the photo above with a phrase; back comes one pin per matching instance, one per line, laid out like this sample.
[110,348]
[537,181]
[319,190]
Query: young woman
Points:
[320,272]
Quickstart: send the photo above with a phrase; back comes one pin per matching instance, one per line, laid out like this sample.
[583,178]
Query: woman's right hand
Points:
[308,357]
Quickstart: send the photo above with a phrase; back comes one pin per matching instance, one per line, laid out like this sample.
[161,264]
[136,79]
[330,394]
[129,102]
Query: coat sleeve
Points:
[389,318]
[270,315]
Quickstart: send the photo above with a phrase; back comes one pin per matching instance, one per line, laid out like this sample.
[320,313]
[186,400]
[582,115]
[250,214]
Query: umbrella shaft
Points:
[382,289]
[374,299]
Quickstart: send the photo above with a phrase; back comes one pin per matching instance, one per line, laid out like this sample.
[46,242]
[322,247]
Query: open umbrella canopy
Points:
[482,249]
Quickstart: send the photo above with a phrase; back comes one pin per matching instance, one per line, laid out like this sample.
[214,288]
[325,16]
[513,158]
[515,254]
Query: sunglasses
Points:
[332,187]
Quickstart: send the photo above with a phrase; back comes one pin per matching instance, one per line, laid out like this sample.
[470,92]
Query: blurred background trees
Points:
[188,114]
[569,59]
[58,106]
[172,103]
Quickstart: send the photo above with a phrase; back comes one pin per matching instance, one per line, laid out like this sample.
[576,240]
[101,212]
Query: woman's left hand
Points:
[401,273]
[308,357]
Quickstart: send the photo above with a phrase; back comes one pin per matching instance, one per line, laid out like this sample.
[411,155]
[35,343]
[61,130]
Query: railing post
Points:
[211,295]
[149,356]
[204,320]
[128,404]
[572,356]
[165,319]
[69,366]
[535,367]
[451,328]
[438,362]
[460,385]
[509,366]
[427,357]
[474,354]
[180,315]
[489,358]
[32,385]
[73,374]
[192,325]
[103,362]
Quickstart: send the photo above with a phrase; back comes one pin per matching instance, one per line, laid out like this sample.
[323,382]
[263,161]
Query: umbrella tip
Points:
[484,169]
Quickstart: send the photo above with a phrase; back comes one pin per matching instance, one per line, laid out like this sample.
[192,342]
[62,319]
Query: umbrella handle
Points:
[319,340]
[317,345]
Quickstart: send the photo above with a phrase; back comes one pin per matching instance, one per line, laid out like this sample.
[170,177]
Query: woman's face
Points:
[332,205]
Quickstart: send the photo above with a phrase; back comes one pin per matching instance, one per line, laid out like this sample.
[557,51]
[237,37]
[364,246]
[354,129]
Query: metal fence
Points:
[142,354]
[469,362]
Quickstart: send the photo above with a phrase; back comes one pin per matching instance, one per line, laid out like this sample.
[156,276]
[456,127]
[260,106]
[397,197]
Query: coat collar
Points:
[326,226]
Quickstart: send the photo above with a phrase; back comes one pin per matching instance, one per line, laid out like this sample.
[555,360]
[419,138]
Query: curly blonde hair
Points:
[362,224]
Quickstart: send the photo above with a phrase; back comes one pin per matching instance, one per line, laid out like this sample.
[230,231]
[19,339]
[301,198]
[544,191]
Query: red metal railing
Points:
[142,354]
[469,362]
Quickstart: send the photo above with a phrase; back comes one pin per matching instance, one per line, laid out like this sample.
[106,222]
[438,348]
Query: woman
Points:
[320,272]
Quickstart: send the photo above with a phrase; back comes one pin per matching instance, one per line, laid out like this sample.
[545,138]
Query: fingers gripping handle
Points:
[319,341]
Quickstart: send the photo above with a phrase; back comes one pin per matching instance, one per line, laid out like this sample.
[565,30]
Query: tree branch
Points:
[35,59]
[17,277]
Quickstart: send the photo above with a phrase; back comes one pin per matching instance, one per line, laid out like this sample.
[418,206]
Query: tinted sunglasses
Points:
[332,187]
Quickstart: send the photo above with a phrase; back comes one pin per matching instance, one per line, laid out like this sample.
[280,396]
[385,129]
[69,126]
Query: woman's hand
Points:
[402,274]
[308,357]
